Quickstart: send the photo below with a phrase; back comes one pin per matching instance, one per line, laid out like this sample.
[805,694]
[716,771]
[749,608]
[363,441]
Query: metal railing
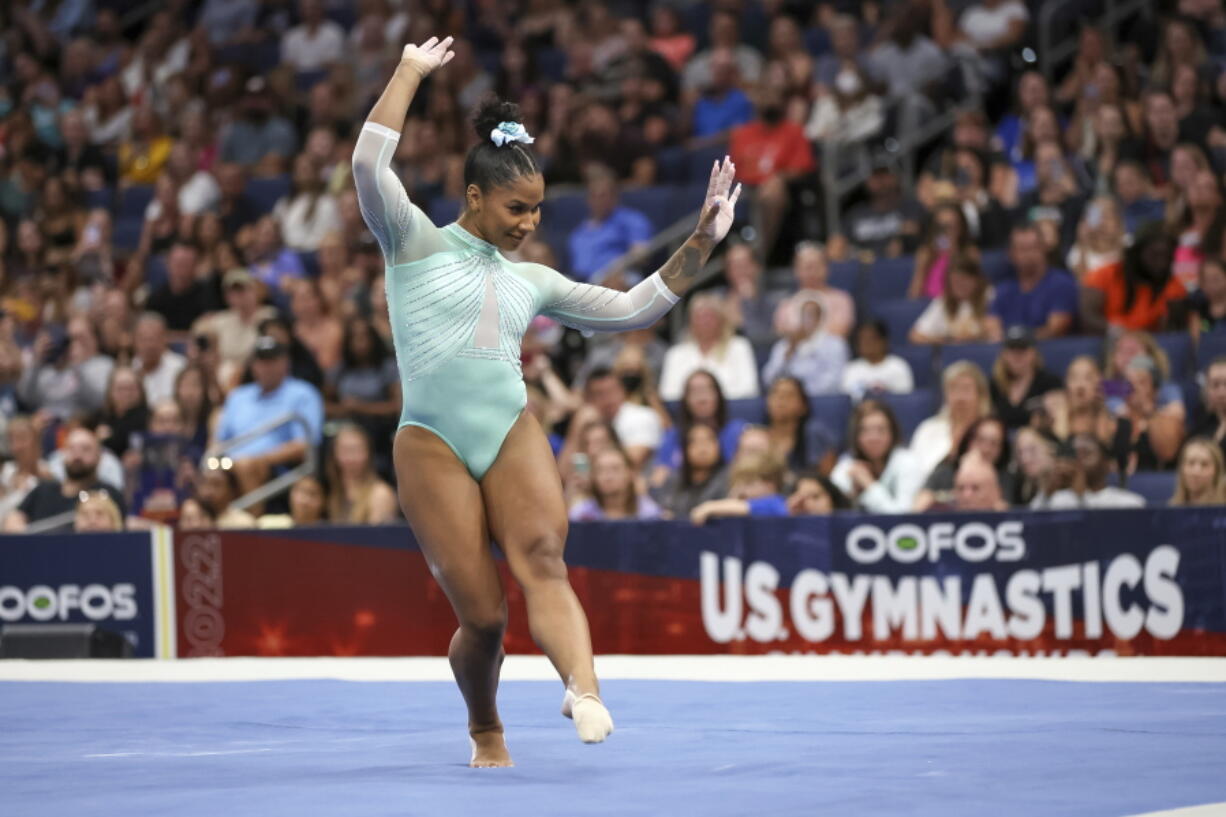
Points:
[1057,46]
[837,157]
[278,484]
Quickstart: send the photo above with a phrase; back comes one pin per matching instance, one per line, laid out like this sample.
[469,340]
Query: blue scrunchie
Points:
[510,132]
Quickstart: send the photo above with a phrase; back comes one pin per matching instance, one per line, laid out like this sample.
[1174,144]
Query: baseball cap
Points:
[267,347]
[1019,337]
[237,277]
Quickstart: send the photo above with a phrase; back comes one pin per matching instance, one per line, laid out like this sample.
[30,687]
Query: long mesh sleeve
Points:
[404,232]
[600,309]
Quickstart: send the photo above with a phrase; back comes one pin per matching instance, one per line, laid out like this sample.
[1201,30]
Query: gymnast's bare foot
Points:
[489,749]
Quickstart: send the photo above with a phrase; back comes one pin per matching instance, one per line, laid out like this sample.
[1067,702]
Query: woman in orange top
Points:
[1135,293]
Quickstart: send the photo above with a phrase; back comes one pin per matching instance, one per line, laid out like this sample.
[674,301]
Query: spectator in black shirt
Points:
[1213,422]
[183,298]
[1018,379]
[236,208]
[50,498]
[81,163]
[885,225]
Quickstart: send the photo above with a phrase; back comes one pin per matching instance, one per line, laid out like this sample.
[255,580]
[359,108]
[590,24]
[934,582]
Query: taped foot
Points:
[592,721]
[489,750]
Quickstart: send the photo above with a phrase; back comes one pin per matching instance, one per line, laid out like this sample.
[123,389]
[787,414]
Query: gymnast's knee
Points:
[540,558]
[486,626]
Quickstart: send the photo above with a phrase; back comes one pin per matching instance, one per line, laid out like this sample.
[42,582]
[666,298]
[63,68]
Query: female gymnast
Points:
[470,463]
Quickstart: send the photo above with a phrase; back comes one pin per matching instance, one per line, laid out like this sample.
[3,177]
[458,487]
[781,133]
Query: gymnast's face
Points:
[506,215]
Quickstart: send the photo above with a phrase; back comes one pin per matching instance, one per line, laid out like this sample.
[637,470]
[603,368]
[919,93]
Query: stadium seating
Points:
[982,355]
[996,265]
[912,409]
[133,200]
[265,192]
[1058,353]
[749,409]
[845,275]
[1211,346]
[920,359]
[104,198]
[899,314]
[1156,486]
[887,279]
[833,411]
[1178,348]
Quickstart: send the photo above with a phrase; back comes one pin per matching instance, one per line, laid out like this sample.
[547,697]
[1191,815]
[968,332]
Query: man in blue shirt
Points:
[608,233]
[724,106]
[1043,299]
[273,393]
[259,137]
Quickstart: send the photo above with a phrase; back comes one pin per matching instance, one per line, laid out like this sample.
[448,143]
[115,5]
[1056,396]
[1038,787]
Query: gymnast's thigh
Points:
[524,503]
[443,505]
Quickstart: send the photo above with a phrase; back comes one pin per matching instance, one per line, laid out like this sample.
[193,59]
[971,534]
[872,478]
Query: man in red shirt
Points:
[771,154]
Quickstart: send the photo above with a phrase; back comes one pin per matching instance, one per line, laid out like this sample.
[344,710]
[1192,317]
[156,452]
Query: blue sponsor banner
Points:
[116,581]
[1143,581]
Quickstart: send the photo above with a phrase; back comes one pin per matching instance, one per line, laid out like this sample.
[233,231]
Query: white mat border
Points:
[670,668]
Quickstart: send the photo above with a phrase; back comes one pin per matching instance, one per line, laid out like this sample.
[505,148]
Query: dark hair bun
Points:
[492,112]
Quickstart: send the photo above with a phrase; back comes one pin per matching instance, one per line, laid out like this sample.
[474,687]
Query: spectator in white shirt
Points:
[876,370]
[638,427]
[878,474]
[315,43]
[809,353]
[157,365]
[1092,491]
[712,346]
[198,190]
[812,278]
[966,399]
[309,212]
[960,313]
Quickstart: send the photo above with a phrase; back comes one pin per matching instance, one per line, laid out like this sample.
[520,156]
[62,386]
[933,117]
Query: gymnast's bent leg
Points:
[527,518]
[443,506]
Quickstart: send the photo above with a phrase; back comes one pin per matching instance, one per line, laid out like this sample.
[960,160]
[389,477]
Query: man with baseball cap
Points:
[237,326]
[272,393]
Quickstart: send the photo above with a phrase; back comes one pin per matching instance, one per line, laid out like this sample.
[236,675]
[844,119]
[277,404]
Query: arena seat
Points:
[1156,486]
[444,210]
[887,279]
[104,198]
[912,409]
[982,355]
[1212,345]
[996,265]
[899,314]
[310,262]
[133,200]
[920,359]
[749,409]
[845,275]
[125,234]
[1058,353]
[699,162]
[266,191]
[1178,348]
[833,411]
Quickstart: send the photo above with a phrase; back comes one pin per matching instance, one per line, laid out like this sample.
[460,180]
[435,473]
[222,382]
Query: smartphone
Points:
[580,464]
[1094,216]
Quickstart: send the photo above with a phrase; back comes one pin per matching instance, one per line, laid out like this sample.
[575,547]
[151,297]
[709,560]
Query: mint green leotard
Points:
[459,310]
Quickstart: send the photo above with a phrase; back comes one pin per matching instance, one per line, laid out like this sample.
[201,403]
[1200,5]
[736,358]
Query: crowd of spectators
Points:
[182,257]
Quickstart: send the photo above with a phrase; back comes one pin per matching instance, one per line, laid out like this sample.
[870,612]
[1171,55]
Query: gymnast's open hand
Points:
[428,56]
[719,207]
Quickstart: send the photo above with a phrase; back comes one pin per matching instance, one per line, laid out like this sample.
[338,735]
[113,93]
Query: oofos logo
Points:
[96,602]
[908,543]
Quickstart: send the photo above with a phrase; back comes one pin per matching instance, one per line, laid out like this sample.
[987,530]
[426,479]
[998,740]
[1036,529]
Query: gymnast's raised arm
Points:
[384,202]
[600,309]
